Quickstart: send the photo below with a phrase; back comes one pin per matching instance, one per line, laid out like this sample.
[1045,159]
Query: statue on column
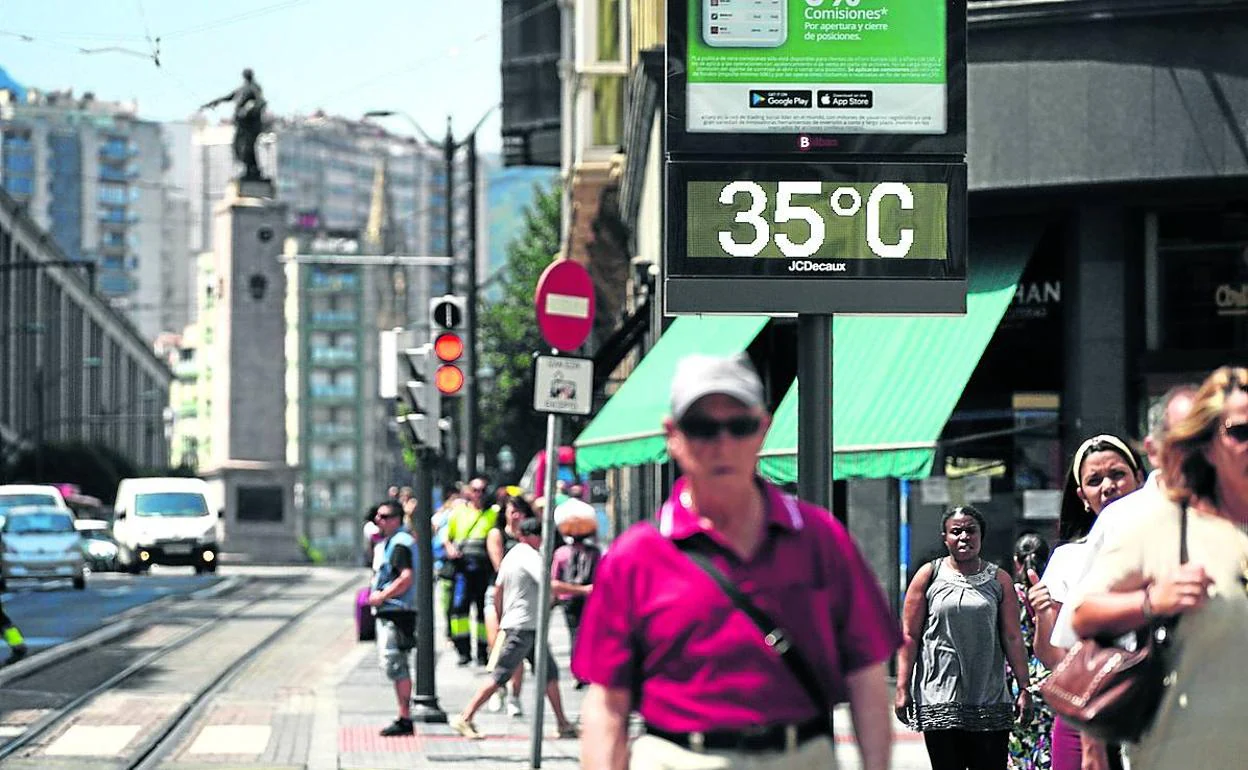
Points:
[249,106]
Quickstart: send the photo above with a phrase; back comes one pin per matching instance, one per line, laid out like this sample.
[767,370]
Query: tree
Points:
[509,338]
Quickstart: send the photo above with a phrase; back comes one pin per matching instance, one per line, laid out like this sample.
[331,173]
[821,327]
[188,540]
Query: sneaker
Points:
[464,660]
[496,701]
[513,707]
[17,653]
[569,731]
[465,728]
[400,726]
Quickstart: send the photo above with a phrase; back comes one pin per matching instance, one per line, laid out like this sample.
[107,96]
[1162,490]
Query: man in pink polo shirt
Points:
[661,637]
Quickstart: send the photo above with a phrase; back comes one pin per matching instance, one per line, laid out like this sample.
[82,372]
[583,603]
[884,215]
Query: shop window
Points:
[1199,279]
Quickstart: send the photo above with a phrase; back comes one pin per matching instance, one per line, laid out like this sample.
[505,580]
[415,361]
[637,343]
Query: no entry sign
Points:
[565,304]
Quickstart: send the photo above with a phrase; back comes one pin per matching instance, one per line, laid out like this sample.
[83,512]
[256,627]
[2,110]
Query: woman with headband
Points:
[1104,469]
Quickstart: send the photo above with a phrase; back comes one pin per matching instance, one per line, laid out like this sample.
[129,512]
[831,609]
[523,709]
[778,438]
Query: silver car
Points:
[40,543]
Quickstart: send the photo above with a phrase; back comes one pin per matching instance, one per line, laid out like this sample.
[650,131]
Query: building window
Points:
[608,120]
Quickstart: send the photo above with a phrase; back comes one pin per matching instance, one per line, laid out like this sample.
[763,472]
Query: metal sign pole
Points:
[542,645]
[814,409]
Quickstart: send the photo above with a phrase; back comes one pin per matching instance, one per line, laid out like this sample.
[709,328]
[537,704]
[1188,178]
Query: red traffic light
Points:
[448,379]
[448,346]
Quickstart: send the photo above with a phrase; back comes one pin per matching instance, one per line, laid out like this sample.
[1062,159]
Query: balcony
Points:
[114,150]
[188,409]
[114,174]
[186,370]
[117,214]
[332,467]
[332,393]
[333,430]
[319,283]
[334,319]
[321,355]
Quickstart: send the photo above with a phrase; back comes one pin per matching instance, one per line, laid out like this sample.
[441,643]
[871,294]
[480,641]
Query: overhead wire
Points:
[449,52]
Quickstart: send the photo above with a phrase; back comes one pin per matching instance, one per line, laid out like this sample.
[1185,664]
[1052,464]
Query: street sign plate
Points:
[565,304]
[563,385]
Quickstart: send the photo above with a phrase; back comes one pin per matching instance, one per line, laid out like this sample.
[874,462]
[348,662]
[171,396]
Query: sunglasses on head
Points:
[1237,432]
[705,428]
[381,515]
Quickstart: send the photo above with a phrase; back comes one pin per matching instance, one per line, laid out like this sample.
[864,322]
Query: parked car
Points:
[40,543]
[98,545]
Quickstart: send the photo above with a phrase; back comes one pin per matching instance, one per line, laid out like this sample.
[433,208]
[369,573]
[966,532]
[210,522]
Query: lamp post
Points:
[449,147]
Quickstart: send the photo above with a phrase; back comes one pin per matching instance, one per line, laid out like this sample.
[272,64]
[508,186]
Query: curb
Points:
[55,654]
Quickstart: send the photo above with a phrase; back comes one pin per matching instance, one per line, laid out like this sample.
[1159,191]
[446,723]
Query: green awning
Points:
[896,380]
[628,429]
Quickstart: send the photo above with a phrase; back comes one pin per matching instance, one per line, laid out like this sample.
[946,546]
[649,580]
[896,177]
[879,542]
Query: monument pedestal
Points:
[259,504]
[246,464]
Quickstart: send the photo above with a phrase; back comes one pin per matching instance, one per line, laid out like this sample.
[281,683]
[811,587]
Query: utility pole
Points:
[425,706]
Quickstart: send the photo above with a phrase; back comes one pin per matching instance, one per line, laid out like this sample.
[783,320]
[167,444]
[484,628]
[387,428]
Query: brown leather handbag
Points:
[1108,691]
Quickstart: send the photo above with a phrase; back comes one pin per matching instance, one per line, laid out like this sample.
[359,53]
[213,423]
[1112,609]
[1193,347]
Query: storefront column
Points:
[874,520]
[1095,398]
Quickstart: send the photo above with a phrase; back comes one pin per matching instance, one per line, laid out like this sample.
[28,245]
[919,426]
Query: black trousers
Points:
[966,750]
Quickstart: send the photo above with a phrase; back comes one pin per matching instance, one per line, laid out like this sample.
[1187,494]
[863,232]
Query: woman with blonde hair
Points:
[1138,579]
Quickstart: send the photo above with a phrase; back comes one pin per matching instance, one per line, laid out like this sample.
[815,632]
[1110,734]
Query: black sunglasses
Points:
[387,515]
[1237,432]
[706,429]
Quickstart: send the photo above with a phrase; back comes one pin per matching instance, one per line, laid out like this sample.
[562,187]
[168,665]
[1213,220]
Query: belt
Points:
[783,737]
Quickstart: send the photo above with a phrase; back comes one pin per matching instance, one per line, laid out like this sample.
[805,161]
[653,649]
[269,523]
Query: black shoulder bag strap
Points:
[775,636]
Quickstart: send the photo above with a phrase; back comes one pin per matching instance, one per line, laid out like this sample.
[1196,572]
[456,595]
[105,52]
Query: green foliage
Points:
[509,337]
[95,468]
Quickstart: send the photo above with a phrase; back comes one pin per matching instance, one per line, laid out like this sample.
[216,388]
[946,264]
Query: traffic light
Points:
[453,360]
[420,405]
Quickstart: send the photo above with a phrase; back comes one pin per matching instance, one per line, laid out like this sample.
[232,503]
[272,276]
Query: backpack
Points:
[582,565]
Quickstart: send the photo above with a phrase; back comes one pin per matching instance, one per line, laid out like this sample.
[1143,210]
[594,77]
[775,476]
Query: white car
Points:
[12,495]
[41,543]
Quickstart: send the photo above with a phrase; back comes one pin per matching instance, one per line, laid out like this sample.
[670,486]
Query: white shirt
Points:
[519,578]
[1115,519]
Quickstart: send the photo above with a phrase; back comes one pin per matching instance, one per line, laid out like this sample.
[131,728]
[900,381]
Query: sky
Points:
[428,58]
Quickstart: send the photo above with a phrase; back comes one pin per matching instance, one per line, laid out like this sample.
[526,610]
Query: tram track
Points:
[161,737]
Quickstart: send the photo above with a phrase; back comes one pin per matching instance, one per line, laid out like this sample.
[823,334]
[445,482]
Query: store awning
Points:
[896,380]
[628,429]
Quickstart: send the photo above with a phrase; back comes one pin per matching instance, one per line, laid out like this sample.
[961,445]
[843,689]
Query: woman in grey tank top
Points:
[960,625]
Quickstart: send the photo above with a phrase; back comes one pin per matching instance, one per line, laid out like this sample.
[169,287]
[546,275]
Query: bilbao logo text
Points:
[808,266]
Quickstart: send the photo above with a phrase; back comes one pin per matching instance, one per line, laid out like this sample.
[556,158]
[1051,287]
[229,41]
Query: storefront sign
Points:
[817,225]
[860,76]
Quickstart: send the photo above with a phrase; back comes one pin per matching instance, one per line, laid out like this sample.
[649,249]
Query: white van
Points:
[165,521]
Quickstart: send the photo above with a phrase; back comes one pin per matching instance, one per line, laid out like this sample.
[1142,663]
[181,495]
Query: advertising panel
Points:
[799,233]
[849,76]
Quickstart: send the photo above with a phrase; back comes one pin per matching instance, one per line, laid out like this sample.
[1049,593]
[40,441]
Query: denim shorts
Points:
[519,645]
[395,661]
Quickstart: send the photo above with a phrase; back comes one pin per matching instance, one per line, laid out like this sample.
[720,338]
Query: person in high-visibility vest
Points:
[466,532]
[12,637]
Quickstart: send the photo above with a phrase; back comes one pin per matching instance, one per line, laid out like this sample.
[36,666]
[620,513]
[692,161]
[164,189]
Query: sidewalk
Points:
[364,702]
